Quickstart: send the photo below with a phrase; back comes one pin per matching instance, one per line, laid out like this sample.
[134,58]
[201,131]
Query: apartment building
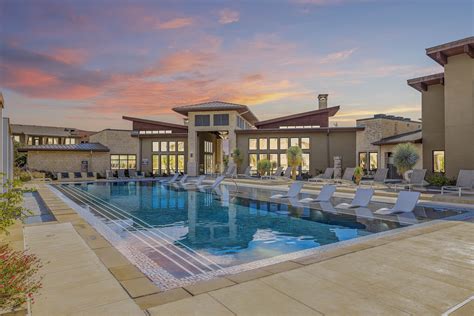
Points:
[33,135]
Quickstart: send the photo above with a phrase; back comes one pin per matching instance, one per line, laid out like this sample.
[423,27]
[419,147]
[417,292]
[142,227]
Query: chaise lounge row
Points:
[77,176]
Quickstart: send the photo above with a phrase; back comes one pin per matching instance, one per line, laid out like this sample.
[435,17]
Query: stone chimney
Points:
[323,101]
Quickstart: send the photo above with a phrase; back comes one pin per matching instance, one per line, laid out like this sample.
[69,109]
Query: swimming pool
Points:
[180,236]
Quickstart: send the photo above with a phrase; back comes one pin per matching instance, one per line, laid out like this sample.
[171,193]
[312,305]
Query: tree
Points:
[405,157]
[263,166]
[18,157]
[294,156]
[237,157]
[11,199]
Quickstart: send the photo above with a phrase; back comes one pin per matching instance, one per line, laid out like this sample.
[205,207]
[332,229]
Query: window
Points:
[253,161]
[283,161]
[69,141]
[305,163]
[156,146]
[438,161]
[172,163]
[33,140]
[180,163]
[172,146]
[262,156]
[123,162]
[202,120]
[51,140]
[373,161]
[273,143]
[164,146]
[155,164]
[208,147]
[273,159]
[164,164]
[363,160]
[221,119]
[252,144]
[305,143]
[16,138]
[181,146]
[262,144]
[240,122]
[294,142]
[284,143]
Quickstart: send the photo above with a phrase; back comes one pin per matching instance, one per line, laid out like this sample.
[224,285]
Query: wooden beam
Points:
[423,86]
[468,49]
[441,58]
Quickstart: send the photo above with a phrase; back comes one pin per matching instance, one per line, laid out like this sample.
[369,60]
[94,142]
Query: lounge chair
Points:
[327,175]
[361,199]
[140,175]
[293,191]
[325,195]
[276,174]
[379,178]
[63,176]
[183,179]
[121,174]
[172,180]
[406,202]
[346,177]
[287,173]
[89,175]
[465,182]
[132,173]
[109,174]
[218,181]
[246,173]
[78,176]
[417,179]
[230,172]
[197,182]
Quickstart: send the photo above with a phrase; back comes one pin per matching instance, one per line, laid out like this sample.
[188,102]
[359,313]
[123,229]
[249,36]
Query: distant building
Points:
[6,145]
[33,135]
[447,101]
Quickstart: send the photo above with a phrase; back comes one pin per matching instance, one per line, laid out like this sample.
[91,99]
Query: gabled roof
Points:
[218,106]
[154,122]
[410,137]
[96,147]
[331,111]
[440,53]
[422,83]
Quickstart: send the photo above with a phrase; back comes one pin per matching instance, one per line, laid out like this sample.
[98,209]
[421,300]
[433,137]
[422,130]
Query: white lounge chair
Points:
[406,202]
[287,173]
[417,179]
[109,175]
[218,181]
[465,182]
[277,173]
[183,179]
[197,182]
[379,178]
[132,173]
[77,176]
[230,171]
[327,175]
[361,199]
[346,177]
[121,174]
[246,173]
[325,195]
[172,180]
[293,191]
[89,175]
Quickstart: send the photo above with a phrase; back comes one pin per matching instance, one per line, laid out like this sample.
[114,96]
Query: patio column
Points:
[193,153]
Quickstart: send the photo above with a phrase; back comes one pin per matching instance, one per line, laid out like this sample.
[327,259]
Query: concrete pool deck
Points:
[424,270]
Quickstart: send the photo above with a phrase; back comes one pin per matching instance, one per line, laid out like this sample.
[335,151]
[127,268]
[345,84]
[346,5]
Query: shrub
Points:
[264,166]
[439,179]
[294,156]
[18,280]
[11,201]
[237,157]
[405,157]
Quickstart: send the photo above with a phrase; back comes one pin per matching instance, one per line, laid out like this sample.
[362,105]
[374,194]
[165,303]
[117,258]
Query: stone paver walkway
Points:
[424,274]
[75,281]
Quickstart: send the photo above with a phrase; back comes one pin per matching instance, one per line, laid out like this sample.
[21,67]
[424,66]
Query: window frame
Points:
[433,160]
[221,119]
[202,120]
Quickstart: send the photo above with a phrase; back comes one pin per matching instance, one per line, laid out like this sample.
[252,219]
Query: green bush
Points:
[264,166]
[405,157]
[440,179]
[294,156]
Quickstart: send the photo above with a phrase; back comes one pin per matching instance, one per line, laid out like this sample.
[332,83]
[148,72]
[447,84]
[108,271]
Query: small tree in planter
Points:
[405,157]
[358,174]
[263,166]
[294,156]
[237,157]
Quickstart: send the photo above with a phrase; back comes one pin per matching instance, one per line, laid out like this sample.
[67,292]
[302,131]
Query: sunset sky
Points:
[86,63]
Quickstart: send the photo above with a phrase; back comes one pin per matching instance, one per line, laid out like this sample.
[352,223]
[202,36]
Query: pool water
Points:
[177,234]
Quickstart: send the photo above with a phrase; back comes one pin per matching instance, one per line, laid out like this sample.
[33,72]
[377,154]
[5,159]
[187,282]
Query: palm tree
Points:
[294,156]
[405,157]
[263,167]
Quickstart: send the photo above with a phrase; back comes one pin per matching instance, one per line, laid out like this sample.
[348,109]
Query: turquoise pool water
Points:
[187,233]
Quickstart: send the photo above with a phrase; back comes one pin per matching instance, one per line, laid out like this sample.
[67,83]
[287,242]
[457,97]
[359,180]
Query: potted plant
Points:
[358,174]
[237,157]
[405,158]
[263,166]
[294,156]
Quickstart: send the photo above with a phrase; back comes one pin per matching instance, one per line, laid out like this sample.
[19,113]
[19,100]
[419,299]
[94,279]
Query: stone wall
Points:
[118,141]
[68,161]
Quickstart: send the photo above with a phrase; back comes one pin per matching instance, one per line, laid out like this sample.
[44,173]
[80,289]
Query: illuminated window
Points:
[262,156]
[180,163]
[172,146]
[373,161]
[16,138]
[363,160]
[33,140]
[284,143]
[262,143]
[69,141]
[283,161]
[294,142]
[180,146]
[155,164]
[208,147]
[164,164]
[305,163]
[438,161]
[164,146]
[172,163]
[273,159]
[273,143]
[51,140]
[156,146]
[305,143]
[123,162]
[252,144]
[253,161]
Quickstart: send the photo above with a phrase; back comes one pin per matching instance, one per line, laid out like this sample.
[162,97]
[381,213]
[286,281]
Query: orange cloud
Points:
[69,55]
[23,77]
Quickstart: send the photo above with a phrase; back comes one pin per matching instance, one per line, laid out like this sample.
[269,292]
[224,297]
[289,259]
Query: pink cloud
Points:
[227,16]
[175,23]
[69,55]
[337,56]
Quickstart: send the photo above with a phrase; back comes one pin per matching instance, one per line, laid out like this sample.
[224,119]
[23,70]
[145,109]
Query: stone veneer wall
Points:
[68,161]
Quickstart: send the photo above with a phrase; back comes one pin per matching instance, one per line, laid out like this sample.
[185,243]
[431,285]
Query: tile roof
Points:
[410,137]
[96,147]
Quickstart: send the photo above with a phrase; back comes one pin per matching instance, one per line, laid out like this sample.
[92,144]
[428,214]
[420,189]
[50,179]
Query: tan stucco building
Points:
[447,101]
